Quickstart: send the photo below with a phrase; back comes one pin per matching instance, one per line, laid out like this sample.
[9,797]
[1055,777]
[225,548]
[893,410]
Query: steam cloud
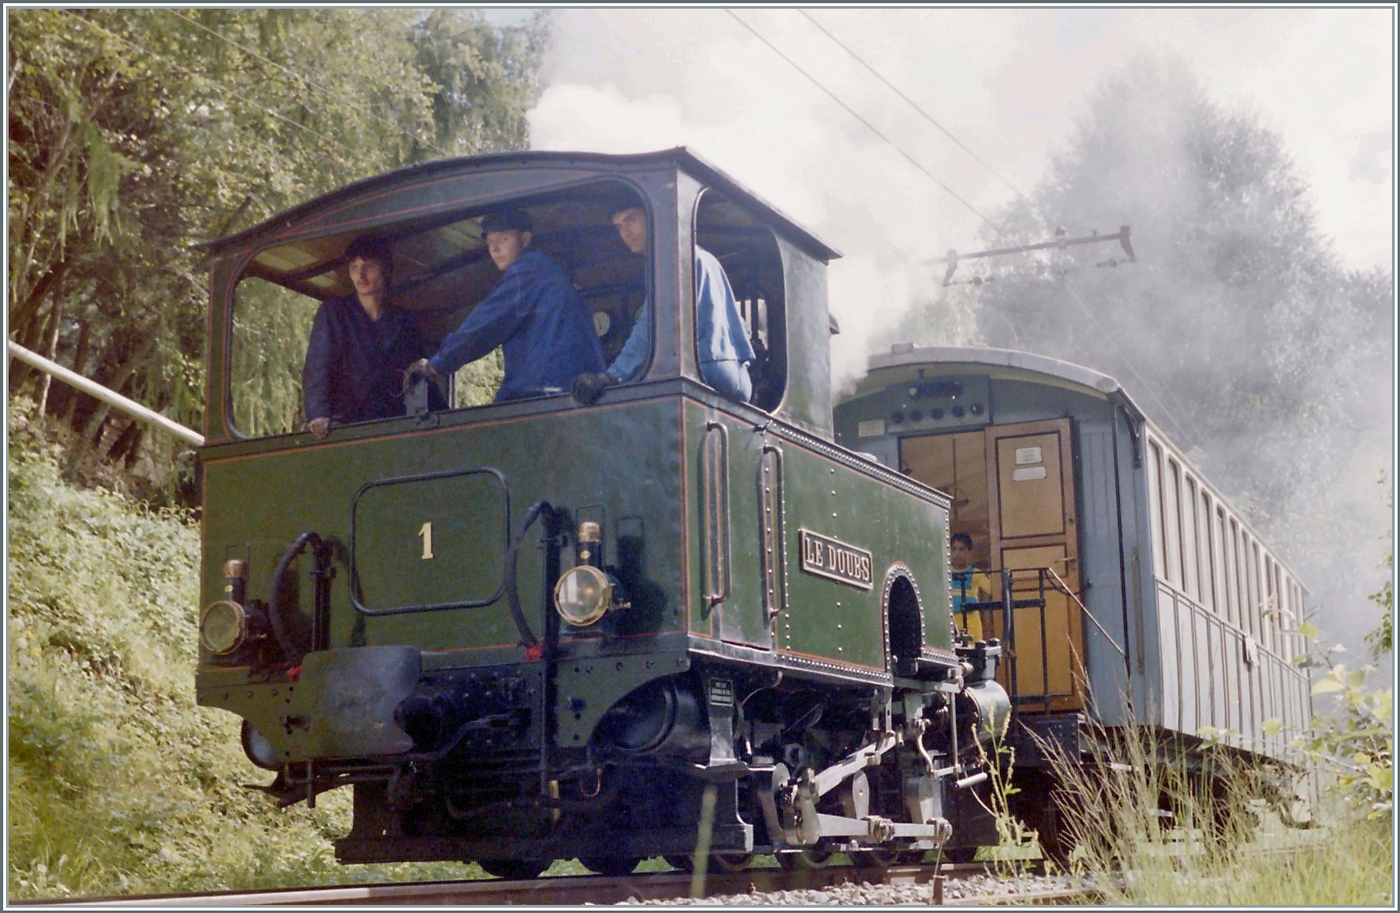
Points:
[1006,83]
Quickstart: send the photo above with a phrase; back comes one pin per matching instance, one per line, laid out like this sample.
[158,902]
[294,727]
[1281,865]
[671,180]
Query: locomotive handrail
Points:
[1060,585]
[517,614]
[1008,604]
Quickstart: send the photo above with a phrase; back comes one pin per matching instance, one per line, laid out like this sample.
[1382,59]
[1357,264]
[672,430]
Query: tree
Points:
[1237,331]
[135,134]
[485,79]
[1382,639]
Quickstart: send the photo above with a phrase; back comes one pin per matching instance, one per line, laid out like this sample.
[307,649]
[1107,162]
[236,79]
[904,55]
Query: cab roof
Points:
[604,164]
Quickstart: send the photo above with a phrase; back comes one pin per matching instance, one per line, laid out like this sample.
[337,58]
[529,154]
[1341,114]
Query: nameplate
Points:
[835,560]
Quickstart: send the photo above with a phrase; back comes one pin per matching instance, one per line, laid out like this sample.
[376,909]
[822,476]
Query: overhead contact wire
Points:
[871,127]
[909,101]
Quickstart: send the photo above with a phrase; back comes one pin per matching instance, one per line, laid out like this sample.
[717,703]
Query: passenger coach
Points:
[1141,595]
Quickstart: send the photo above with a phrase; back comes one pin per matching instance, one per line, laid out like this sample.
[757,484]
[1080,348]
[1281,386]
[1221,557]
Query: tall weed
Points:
[1153,829]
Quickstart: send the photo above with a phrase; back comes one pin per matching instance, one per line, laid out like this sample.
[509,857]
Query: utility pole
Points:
[1062,241]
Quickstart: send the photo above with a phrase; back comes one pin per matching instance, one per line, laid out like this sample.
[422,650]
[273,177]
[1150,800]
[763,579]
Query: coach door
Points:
[1033,525]
[1012,489]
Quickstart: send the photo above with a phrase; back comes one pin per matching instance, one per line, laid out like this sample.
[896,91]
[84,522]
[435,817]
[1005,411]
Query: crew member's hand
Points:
[588,387]
[319,427]
[421,368]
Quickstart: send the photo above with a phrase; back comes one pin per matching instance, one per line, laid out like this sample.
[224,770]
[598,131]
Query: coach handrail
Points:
[1064,588]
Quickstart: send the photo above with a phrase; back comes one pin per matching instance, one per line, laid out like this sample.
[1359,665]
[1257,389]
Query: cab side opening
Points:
[749,254]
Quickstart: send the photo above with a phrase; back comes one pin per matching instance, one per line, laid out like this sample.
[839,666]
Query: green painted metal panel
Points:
[435,540]
[823,490]
[622,460]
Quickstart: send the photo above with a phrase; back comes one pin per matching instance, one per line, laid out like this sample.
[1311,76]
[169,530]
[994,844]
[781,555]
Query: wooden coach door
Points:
[1012,488]
[1033,524]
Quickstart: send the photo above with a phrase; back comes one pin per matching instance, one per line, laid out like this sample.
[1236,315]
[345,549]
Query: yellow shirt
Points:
[970,585]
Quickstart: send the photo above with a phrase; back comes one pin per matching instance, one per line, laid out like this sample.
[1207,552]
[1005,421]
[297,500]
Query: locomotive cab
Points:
[526,629]
[272,287]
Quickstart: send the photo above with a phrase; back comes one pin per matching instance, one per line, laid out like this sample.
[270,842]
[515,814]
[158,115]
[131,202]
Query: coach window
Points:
[1230,602]
[1246,587]
[1274,622]
[1250,606]
[1174,523]
[749,254]
[1191,565]
[1298,646]
[1154,497]
[1256,592]
[1210,595]
[1240,580]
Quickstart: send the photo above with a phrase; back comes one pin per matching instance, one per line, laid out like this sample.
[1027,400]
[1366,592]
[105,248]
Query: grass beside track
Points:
[1148,835]
[117,783]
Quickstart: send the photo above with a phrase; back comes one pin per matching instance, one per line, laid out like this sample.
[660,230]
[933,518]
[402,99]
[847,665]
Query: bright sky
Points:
[1005,82]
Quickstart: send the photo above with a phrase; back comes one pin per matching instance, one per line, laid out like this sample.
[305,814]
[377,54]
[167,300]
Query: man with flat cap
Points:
[535,315]
[725,350]
[359,346]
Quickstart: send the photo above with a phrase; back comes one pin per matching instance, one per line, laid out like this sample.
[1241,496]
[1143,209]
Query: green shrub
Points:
[118,783]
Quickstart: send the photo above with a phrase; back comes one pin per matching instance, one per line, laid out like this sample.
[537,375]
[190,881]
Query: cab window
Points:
[441,270]
[748,254]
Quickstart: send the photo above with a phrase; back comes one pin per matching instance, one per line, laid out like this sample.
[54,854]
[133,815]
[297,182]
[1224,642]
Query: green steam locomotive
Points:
[535,630]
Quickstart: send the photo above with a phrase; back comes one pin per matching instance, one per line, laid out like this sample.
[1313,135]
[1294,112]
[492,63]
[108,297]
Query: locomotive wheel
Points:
[730,862]
[805,858]
[677,861]
[514,869]
[614,866]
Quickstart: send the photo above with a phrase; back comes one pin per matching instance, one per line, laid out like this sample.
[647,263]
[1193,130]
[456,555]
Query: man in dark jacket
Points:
[359,347]
[535,315]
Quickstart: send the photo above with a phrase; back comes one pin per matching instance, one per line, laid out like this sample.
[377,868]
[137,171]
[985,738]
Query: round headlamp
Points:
[223,627]
[583,595]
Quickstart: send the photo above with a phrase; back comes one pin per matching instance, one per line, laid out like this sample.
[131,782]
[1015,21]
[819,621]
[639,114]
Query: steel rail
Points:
[548,891]
[111,397]
[598,889]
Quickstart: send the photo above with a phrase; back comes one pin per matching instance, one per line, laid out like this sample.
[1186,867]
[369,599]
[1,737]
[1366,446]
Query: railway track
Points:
[590,889]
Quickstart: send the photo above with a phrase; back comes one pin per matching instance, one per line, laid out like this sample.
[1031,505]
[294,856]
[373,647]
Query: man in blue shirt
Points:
[535,315]
[725,350]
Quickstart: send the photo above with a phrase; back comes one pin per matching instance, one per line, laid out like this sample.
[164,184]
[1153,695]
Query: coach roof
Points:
[891,367]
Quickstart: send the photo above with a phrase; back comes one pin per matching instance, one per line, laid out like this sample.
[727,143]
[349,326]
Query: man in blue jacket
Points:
[725,350]
[535,315]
